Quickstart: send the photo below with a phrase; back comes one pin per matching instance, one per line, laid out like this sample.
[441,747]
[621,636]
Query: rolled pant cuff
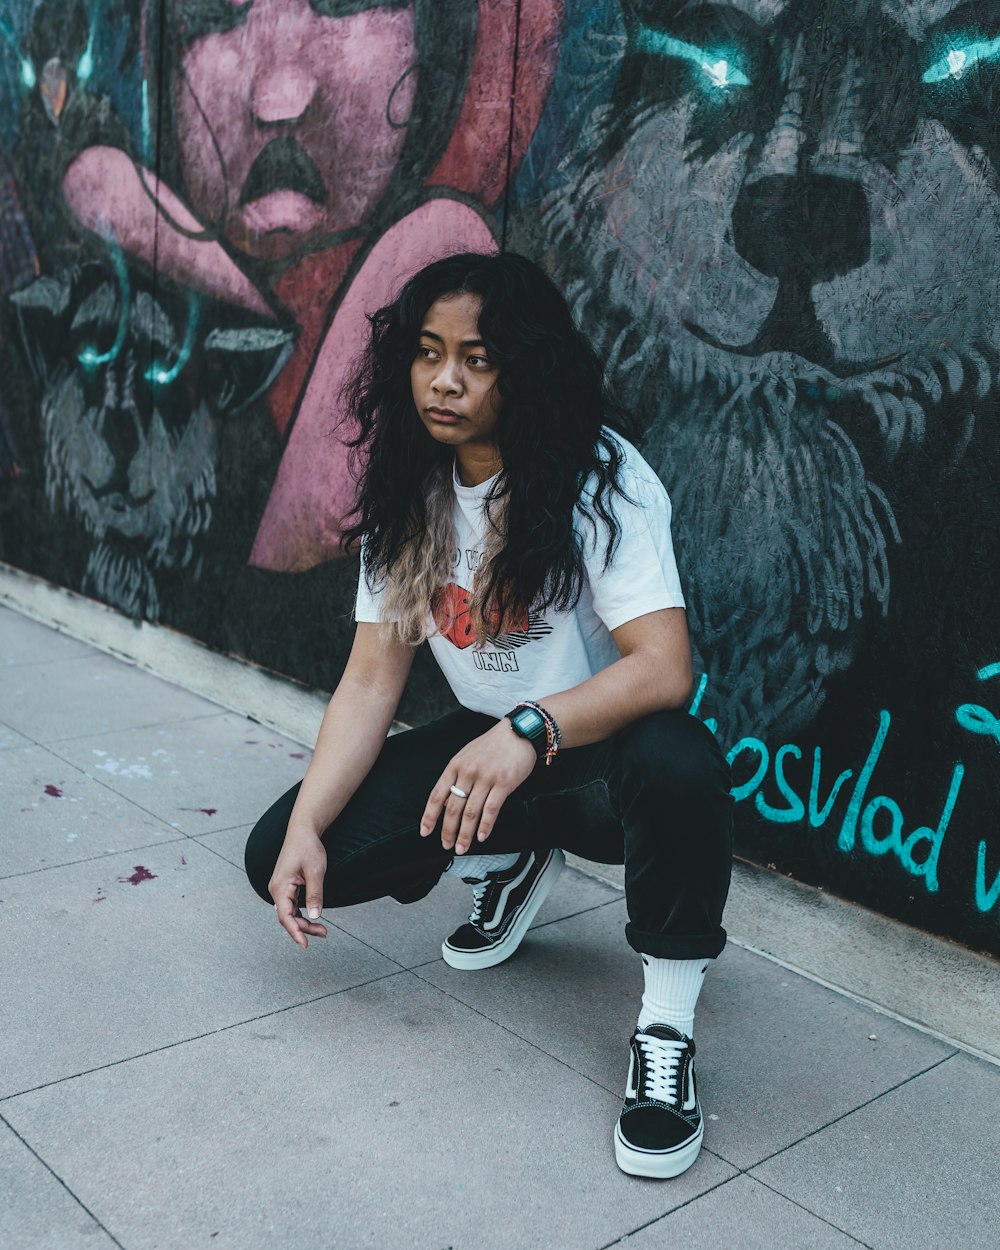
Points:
[671,946]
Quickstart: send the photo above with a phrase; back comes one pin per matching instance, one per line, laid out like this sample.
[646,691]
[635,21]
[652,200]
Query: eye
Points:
[479,361]
[425,352]
[85,65]
[961,57]
[718,70]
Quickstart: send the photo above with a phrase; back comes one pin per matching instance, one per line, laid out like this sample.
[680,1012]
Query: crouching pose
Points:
[506,518]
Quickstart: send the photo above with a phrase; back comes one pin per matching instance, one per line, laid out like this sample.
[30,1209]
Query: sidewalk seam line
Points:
[197,1037]
[814,1214]
[55,1175]
[868,1002]
[513,1033]
[860,1107]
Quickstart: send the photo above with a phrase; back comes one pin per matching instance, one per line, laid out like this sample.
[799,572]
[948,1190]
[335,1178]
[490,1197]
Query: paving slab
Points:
[10,738]
[197,775]
[54,814]
[741,1213]
[36,1211]
[750,1011]
[91,694]
[24,641]
[386,1116]
[412,934]
[118,956]
[915,1168]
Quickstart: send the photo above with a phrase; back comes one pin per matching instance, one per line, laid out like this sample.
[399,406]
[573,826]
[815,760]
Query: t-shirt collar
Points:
[471,492]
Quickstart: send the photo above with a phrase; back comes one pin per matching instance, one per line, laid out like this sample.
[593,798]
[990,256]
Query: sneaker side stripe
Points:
[501,904]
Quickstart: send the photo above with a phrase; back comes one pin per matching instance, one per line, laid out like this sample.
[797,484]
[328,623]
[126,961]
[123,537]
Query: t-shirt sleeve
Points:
[366,605]
[642,576]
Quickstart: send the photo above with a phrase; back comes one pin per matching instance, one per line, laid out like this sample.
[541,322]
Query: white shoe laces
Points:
[478,893]
[662,1060]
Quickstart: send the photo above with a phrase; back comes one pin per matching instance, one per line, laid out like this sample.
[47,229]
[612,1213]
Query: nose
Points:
[448,379]
[282,93]
[811,225]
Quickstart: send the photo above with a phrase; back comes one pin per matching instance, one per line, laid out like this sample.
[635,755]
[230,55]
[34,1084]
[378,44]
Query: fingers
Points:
[300,874]
[436,801]
[476,819]
[286,906]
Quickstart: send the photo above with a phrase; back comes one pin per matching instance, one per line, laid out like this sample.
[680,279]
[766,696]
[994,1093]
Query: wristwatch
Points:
[526,722]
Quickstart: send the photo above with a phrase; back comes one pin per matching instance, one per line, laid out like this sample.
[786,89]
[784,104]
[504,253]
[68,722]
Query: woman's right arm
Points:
[354,728]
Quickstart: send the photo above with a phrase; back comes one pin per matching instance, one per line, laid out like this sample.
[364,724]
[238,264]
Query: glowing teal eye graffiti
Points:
[962,57]
[90,357]
[158,374]
[720,72]
[28,76]
[85,65]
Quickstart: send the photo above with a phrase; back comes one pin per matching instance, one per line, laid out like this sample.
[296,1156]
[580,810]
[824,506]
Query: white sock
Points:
[671,991]
[477,866]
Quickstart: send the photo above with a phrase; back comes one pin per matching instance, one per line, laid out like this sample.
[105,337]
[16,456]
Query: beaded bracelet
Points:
[553,733]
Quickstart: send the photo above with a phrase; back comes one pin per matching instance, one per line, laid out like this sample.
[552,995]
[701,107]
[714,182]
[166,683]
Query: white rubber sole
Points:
[657,1164]
[467,961]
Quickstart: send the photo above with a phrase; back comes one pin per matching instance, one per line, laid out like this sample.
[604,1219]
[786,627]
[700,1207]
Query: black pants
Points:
[654,796]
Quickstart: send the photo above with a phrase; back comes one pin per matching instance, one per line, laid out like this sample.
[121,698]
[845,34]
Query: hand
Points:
[302,862]
[490,768]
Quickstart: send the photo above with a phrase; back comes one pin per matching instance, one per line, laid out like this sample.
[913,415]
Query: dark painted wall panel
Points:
[779,220]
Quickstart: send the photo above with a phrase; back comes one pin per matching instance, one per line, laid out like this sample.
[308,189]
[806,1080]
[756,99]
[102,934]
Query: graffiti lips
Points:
[283,165]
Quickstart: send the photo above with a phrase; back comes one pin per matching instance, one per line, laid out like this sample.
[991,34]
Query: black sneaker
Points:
[504,905]
[659,1131]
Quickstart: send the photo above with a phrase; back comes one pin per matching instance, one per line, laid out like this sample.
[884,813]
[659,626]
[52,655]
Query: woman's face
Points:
[295,110]
[454,382]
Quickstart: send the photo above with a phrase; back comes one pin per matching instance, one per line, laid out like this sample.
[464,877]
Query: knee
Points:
[259,865]
[265,842]
[675,755]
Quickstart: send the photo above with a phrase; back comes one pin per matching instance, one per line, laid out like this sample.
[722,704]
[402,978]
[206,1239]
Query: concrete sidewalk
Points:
[174,1073]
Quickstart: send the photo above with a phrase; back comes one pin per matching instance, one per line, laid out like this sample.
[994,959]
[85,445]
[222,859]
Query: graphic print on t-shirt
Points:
[453,616]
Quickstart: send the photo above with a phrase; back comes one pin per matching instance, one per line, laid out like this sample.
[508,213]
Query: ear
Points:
[41,312]
[241,363]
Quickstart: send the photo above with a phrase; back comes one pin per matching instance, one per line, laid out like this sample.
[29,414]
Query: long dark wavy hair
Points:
[552,434]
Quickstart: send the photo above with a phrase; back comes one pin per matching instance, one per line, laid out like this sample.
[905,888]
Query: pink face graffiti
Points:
[291,119]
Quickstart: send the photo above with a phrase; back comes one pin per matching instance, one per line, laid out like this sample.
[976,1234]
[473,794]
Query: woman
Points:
[506,518]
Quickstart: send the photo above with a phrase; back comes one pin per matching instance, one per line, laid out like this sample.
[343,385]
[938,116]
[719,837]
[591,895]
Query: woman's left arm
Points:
[653,675]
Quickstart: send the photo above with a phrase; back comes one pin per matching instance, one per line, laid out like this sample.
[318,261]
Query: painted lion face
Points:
[134,391]
[793,205]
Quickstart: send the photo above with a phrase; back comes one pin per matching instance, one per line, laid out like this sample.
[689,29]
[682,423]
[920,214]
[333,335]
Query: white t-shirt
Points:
[553,651]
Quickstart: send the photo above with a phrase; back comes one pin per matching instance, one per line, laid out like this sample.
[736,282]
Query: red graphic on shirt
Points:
[453,617]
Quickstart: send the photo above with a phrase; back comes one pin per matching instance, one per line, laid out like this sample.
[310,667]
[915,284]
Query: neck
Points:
[476,464]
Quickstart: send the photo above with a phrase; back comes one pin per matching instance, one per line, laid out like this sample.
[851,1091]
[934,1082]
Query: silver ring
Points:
[459,794]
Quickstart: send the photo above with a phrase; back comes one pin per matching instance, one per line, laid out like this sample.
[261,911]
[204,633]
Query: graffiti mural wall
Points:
[779,219]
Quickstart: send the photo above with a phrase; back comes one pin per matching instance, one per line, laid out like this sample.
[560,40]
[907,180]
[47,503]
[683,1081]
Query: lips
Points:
[283,165]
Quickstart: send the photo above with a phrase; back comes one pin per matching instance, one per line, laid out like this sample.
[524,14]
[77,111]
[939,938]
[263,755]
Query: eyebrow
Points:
[918,16]
[429,334]
[760,11]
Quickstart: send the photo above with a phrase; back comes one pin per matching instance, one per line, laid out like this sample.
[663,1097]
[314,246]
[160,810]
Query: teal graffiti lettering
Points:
[848,830]
[795,809]
[749,744]
[698,695]
[986,899]
[893,840]
[818,815]
[933,837]
[978,720]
